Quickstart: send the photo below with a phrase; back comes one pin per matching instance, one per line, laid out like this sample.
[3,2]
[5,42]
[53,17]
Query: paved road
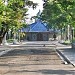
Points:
[34,61]
[69,54]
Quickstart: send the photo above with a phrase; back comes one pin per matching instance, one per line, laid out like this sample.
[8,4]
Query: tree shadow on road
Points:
[58,72]
[45,71]
[30,52]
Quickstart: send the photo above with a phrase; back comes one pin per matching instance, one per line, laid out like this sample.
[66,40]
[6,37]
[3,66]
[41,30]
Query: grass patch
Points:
[67,42]
[73,41]
[10,40]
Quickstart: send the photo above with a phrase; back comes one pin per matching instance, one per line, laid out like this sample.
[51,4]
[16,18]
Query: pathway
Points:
[34,61]
[69,54]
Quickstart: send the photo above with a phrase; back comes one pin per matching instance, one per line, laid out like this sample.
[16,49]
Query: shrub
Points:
[67,42]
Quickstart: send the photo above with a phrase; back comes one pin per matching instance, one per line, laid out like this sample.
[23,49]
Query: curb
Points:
[5,51]
[62,57]
[65,58]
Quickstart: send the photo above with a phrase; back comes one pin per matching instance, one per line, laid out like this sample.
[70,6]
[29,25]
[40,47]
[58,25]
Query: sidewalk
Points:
[34,61]
[68,53]
[65,50]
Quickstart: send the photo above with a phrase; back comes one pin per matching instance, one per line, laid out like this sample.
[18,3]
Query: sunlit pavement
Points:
[33,61]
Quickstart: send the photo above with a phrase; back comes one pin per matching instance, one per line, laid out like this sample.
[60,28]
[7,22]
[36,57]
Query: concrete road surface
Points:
[34,61]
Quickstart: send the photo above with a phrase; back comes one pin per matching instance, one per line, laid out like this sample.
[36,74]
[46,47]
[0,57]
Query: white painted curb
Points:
[4,52]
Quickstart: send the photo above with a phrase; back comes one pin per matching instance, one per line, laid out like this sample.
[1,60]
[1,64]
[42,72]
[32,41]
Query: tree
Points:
[13,14]
[59,13]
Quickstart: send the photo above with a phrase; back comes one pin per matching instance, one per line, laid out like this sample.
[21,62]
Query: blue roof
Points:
[37,26]
[25,29]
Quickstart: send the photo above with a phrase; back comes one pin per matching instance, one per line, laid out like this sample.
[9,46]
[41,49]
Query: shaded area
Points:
[33,61]
[67,49]
[23,57]
[30,52]
[45,71]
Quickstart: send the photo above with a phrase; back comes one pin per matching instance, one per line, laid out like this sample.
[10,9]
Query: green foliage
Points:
[10,40]
[59,13]
[67,42]
[13,14]
[73,41]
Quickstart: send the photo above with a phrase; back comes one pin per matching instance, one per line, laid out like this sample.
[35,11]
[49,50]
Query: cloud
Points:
[32,12]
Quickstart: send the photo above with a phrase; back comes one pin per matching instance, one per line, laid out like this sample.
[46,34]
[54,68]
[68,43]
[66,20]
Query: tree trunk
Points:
[3,31]
[1,38]
[61,34]
[68,33]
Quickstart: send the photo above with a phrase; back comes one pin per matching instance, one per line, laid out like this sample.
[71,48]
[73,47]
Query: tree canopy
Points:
[59,12]
[13,14]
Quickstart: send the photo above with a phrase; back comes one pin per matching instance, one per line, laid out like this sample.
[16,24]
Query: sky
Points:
[32,12]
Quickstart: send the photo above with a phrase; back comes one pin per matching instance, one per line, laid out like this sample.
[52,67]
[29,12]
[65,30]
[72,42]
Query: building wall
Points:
[34,37]
[50,36]
[28,36]
[45,37]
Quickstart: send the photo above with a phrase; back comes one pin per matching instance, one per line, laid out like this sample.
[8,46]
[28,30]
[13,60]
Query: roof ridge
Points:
[37,24]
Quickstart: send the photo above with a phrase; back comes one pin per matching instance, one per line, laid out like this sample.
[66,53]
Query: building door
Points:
[39,37]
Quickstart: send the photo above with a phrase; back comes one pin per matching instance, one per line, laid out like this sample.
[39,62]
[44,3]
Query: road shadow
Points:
[45,71]
[21,52]
[67,50]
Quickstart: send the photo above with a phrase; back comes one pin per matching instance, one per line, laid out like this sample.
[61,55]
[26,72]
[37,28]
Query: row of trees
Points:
[13,14]
[59,13]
